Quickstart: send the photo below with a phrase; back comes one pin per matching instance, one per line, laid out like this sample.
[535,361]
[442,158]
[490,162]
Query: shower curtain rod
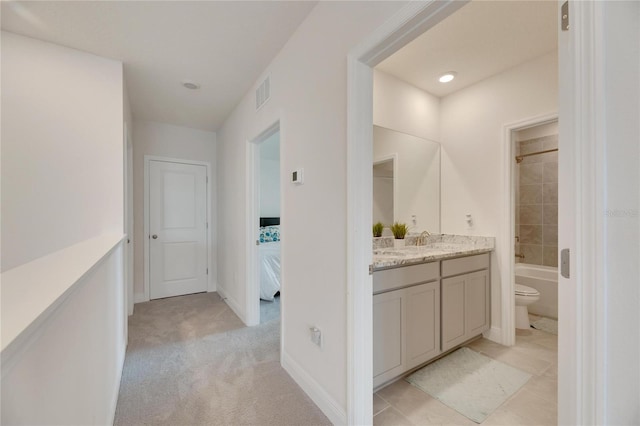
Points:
[519,158]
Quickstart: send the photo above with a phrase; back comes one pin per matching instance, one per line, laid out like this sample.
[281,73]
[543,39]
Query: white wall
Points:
[270,176]
[472,127]
[398,105]
[166,140]
[308,96]
[62,148]
[62,184]
[622,211]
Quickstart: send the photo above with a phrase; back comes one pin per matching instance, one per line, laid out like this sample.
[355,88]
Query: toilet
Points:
[524,297]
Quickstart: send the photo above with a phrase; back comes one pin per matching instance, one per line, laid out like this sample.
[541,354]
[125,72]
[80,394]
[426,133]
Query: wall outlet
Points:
[297,176]
[316,335]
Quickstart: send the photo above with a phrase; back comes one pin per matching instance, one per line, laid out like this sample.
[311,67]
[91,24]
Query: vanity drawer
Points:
[404,276]
[462,265]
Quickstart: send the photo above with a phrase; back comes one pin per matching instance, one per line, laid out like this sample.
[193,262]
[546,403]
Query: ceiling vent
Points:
[263,93]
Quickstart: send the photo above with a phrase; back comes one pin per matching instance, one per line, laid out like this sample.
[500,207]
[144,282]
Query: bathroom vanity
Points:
[427,300]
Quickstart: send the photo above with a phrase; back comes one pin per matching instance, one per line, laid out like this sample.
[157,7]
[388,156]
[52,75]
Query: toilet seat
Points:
[523,290]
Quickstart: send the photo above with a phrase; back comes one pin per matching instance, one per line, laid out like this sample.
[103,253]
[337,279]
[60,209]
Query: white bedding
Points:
[269,270]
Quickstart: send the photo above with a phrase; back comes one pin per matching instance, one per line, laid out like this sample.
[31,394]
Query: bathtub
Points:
[545,280]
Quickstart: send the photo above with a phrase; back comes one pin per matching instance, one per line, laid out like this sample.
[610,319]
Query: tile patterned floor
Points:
[535,352]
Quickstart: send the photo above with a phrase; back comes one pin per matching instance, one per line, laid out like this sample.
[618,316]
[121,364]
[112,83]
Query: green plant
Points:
[399,230]
[377,229]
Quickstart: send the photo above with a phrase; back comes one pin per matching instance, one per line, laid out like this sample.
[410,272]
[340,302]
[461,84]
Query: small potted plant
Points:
[399,231]
[377,229]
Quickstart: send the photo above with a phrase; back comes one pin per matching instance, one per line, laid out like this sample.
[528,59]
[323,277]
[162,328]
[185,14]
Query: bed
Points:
[269,257]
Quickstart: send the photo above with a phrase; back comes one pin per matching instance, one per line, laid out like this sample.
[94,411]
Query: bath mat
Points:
[546,324]
[470,383]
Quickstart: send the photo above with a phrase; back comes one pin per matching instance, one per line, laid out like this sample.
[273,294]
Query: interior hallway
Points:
[191,361]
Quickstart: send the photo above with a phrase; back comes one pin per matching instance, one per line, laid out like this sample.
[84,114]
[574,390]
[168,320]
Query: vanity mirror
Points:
[406,180]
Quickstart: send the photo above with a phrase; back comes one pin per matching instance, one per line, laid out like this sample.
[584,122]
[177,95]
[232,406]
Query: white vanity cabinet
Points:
[466,296]
[406,319]
[421,311]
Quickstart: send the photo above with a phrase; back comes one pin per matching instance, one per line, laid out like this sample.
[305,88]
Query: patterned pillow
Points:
[269,234]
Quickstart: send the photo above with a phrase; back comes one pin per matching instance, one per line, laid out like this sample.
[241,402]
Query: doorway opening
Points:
[264,284]
[376,49]
[531,153]
[464,115]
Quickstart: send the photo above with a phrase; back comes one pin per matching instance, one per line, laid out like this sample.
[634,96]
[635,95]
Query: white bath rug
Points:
[470,383]
[546,324]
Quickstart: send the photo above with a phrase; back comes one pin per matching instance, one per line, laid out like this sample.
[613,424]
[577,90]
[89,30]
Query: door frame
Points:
[408,23]
[252,302]
[208,193]
[508,305]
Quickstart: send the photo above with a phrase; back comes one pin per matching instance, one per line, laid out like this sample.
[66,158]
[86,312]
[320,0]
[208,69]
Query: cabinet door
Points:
[422,319]
[477,303]
[453,312]
[388,341]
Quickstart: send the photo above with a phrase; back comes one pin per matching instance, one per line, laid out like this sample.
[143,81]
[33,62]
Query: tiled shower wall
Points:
[537,202]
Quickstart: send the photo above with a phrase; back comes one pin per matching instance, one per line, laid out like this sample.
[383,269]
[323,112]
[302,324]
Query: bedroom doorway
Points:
[263,223]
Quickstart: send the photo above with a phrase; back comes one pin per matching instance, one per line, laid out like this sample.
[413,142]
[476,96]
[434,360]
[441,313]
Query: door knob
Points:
[154,236]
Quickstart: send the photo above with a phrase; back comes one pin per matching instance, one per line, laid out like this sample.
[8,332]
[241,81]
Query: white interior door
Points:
[177,229]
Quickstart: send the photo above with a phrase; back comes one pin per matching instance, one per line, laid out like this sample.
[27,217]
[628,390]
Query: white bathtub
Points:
[545,280]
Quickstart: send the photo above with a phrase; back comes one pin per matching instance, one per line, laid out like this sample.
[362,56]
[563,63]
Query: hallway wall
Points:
[62,115]
[308,87]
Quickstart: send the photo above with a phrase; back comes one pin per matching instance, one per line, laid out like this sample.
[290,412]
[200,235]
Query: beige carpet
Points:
[191,361]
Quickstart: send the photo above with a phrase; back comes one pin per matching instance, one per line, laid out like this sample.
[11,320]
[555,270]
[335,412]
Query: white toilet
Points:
[524,297]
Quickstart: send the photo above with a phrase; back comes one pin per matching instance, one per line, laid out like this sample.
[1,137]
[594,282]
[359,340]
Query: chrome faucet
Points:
[520,255]
[421,239]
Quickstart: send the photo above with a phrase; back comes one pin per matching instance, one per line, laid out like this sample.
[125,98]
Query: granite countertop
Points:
[436,247]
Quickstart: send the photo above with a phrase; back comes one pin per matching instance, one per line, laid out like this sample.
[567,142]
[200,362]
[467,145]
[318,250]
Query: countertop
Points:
[436,247]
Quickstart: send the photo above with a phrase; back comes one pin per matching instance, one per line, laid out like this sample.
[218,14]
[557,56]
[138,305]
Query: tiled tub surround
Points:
[537,202]
[436,247]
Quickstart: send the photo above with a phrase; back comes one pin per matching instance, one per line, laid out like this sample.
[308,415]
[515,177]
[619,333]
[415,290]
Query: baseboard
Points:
[494,334]
[139,298]
[114,398]
[235,306]
[311,387]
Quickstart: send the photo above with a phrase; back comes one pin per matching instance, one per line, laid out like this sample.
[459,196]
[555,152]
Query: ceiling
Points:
[222,45]
[481,39]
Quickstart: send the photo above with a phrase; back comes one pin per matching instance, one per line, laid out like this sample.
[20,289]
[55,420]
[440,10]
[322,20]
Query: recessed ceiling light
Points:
[447,77]
[191,85]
